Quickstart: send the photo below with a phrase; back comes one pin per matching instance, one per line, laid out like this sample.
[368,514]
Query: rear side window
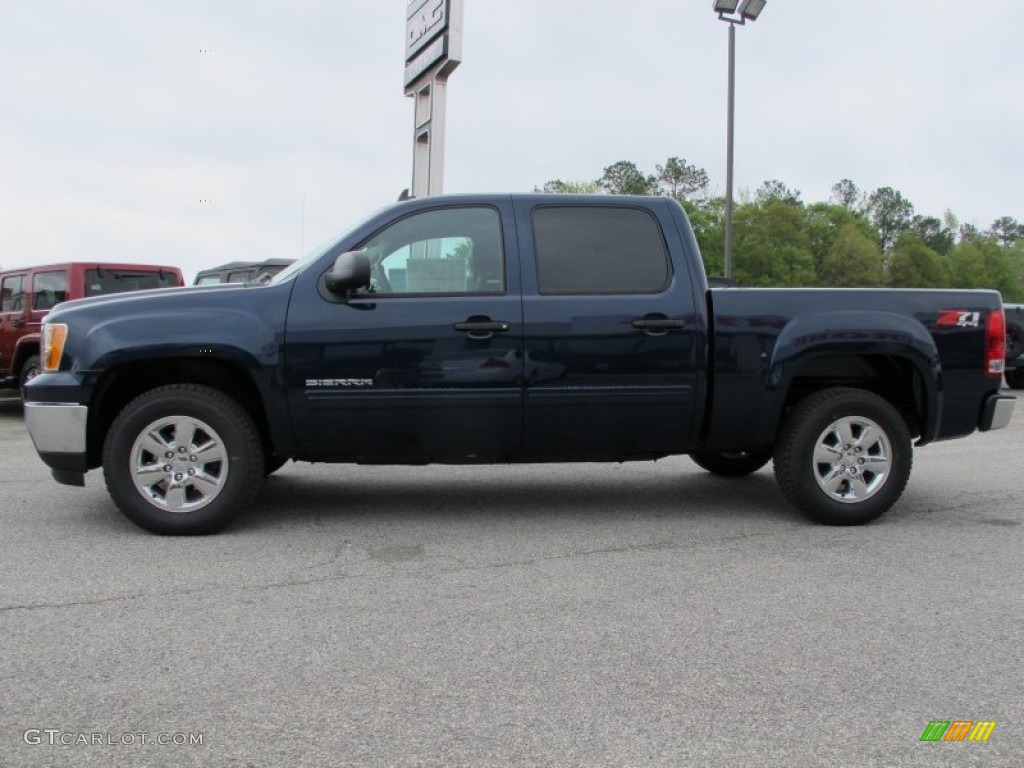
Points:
[12,294]
[49,289]
[599,250]
[102,281]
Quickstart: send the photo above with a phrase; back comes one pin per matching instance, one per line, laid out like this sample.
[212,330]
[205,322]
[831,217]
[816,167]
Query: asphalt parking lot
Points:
[575,615]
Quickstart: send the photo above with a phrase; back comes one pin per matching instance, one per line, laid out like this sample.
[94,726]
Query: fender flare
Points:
[853,333]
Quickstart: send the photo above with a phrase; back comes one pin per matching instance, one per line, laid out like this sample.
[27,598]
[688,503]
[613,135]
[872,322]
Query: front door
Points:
[424,365]
[13,319]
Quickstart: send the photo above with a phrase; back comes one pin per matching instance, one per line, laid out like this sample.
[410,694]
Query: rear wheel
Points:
[183,459]
[731,464]
[1015,378]
[843,456]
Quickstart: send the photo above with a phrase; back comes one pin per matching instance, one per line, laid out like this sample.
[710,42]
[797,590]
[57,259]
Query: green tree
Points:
[934,233]
[624,178]
[968,232]
[983,263]
[1006,230]
[569,187]
[891,214]
[707,217]
[777,190]
[824,221]
[853,261]
[678,179]
[772,246]
[846,194]
[913,264]
[1015,257]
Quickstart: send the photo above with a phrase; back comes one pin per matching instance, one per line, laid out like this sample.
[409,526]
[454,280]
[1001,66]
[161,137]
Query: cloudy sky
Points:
[115,121]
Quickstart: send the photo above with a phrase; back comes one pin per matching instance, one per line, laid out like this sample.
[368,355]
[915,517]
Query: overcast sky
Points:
[114,124]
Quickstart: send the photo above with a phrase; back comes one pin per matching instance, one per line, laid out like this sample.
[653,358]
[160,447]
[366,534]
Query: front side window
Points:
[12,294]
[49,289]
[450,251]
[599,250]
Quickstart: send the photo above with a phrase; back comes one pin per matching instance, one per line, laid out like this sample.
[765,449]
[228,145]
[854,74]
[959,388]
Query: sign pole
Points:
[433,49]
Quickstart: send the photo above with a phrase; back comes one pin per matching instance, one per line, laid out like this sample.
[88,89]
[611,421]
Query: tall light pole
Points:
[733,12]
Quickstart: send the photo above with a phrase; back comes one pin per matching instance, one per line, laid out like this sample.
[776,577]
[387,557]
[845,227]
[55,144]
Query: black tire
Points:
[1015,378]
[217,475]
[874,463]
[731,464]
[31,368]
[272,463]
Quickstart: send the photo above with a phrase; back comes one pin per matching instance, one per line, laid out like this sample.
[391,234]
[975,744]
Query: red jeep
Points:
[26,295]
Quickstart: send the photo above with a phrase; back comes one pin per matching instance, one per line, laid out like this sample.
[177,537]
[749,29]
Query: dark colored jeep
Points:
[240,271]
[1014,345]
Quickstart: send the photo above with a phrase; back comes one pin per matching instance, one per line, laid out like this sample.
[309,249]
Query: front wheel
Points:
[843,456]
[183,459]
[31,368]
[731,464]
[1015,378]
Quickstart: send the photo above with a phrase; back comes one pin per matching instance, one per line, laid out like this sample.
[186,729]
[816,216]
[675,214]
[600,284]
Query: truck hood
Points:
[205,295]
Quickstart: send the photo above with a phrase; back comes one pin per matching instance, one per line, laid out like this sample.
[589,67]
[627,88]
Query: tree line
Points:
[856,239]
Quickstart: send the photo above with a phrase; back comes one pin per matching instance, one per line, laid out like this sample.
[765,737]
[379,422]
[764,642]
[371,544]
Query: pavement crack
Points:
[179,593]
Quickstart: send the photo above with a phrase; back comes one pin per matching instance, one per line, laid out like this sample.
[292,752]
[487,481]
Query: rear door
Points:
[612,335]
[426,365]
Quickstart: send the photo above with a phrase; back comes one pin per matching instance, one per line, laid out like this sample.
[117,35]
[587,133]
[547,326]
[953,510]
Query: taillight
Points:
[995,343]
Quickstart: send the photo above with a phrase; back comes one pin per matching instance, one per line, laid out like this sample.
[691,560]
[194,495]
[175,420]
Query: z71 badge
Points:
[957,318]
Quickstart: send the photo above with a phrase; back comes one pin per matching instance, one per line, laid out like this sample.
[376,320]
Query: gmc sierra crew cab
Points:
[510,328]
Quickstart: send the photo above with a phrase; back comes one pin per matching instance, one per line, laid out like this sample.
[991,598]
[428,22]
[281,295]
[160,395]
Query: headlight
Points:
[54,336]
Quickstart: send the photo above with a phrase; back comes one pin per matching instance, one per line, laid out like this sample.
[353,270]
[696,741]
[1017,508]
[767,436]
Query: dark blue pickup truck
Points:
[503,328]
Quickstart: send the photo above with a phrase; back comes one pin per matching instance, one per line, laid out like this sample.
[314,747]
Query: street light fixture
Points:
[733,12]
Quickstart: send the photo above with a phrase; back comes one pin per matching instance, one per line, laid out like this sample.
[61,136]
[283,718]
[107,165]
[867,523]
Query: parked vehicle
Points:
[28,294]
[1014,345]
[240,271]
[494,329]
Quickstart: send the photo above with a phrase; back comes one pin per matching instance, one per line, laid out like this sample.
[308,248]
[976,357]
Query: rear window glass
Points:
[102,281]
[599,250]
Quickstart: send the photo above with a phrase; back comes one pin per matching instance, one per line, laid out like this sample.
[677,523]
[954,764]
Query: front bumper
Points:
[58,431]
[997,412]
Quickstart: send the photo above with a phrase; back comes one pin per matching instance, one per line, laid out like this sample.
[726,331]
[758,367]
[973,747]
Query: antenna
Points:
[302,227]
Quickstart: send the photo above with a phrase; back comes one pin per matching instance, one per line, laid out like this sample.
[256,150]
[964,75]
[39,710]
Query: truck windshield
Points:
[103,281]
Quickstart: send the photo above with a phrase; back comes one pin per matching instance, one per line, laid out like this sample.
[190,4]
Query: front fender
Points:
[227,333]
[24,347]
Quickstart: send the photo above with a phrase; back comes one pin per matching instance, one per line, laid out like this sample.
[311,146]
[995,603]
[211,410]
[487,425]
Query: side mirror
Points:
[351,270]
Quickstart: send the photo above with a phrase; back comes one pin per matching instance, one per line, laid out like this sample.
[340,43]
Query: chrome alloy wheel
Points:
[179,463]
[852,459]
